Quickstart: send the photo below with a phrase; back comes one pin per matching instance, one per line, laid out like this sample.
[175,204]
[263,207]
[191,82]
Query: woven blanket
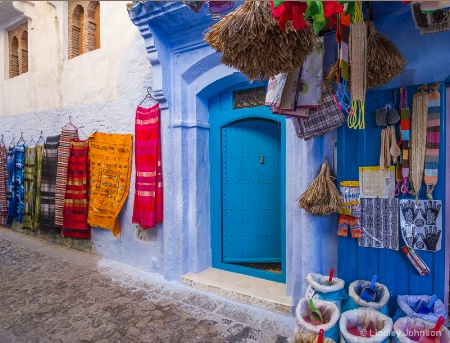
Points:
[148,196]
[19,165]
[433,139]
[110,170]
[29,188]
[61,173]
[10,197]
[3,186]
[37,199]
[379,223]
[77,192]
[326,118]
[48,185]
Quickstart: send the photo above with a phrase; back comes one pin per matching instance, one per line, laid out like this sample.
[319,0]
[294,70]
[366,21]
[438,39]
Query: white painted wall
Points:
[99,89]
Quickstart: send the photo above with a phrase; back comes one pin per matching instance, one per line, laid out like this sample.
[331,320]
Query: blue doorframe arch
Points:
[221,113]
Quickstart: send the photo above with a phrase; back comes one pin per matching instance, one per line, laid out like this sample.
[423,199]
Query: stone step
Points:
[242,288]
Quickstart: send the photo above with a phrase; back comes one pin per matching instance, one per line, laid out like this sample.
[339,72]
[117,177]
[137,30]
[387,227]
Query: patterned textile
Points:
[3,186]
[148,196]
[61,174]
[19,164]
[433,139]
[77,192]
[29,188]
[37,199]
[379,223]
[326,118]
[11,198]
[110,171]
[48,185]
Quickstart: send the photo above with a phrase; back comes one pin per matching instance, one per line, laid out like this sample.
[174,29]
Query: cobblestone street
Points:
[50,293]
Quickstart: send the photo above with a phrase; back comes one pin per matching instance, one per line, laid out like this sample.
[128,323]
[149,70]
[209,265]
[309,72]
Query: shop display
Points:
[36,221]
[433,139]
[379,223]
[76,198]
[68,132]
[411,330]
[410,305]
[18,180]
[322,197]
[29,188]
[405,126]
[327,117]
[415,259]
[418,139]
[421,224]
[246,35]
[376,183]
[48,184]
[110,170]
[148,196]
[365,325]
[354,301]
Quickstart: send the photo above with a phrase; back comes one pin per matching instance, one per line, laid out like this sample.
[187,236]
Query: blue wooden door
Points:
[362,148]
[251,191]
[247,164]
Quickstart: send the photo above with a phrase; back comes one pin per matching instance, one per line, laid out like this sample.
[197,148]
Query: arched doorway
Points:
[247,163]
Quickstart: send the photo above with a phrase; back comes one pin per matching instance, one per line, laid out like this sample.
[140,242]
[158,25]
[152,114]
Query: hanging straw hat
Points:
[252,42]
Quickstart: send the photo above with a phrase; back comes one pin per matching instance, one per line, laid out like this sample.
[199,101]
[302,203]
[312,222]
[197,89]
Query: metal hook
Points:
[149,95]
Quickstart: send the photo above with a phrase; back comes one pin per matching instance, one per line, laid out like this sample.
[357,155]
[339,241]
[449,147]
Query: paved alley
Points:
[50,293]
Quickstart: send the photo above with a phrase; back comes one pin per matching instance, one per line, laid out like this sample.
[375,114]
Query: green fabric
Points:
[29,187]
[350,9]
[316,12]
[37,209]
[277,3]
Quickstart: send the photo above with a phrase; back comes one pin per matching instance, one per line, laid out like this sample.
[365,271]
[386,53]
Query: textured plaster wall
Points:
[100,90]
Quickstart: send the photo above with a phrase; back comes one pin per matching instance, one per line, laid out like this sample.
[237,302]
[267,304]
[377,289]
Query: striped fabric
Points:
[405,127]
[37,199]
[19,165]
[61,174]
[77,192]
[110,170]
[148,196]
[3,186]
[433,139]
[48,185]
[10,198]
[29,188]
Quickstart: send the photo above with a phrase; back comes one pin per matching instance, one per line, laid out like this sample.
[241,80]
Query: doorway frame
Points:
[217,122]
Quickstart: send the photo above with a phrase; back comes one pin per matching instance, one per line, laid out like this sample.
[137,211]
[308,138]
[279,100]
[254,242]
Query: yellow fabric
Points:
[110,170]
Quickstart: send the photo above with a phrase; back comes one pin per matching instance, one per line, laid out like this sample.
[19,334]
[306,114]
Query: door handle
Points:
[261,159]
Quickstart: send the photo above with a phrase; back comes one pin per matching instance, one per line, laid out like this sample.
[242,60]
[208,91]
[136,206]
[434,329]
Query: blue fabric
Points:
[333,296]
[19,164]
[350,304]
[11,199]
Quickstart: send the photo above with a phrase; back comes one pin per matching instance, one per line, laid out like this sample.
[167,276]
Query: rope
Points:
[358,54]
[418,139]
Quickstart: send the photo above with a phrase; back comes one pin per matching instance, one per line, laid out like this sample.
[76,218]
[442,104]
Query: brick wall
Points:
[18,50]
[84,27]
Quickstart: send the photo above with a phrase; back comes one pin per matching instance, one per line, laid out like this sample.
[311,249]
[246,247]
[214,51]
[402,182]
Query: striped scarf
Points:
[61,174]
[19,164]
[3,186]
[37,199]
[433,138]
[29,188]
[48,183]
[11,199]
[77,192]
[148,196]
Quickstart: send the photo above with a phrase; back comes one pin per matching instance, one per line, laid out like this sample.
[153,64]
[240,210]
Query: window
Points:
[24,50]
[84,27]
[18,50]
